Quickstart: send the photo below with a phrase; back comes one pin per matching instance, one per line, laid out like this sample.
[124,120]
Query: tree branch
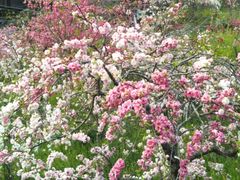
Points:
[227,153]
[110,76]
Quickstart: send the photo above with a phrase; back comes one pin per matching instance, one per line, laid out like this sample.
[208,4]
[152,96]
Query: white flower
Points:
[134,62]
[224,84]
[202,62]
[35,121]
[215,3]
[74,13]
[220,112]
[78,55]
[117,56]
[225,101]
[121,43]
[19,50]
[55,46]
[33,107]
[182,151]
[81,137]
[53,156]
[166,58]
[47,52]
[105,29]
[139,56]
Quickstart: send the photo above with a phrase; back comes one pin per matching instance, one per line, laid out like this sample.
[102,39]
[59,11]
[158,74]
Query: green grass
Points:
[224,41]
[231,167]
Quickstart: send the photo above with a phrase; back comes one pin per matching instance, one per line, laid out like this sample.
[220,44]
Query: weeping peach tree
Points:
[92,92]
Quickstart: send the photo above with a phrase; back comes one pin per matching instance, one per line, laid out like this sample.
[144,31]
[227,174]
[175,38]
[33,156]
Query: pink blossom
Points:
[195,145]
[174,105]
[5,120]
[80,137]
[115,120]
[60,68]
[206,98]
[220,137]
[200,77]
[193,93]
[124,108]
[116,169]
[103,122]
[3,155]
[165,129]
[197,137]
[175,9]
[167,44]
[183,169]
[74,67]
[105,29]
[183,80]
[151,143]
[114,126]
[110,134]
[147,153]
[161,79]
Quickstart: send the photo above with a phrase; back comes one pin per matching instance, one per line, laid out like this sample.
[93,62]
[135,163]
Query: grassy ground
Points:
[224,36]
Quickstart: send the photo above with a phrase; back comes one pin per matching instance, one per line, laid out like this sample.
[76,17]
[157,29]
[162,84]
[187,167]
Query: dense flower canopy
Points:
[80,76]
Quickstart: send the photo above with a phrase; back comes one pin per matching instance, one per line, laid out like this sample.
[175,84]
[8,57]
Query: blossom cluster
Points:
[80,86]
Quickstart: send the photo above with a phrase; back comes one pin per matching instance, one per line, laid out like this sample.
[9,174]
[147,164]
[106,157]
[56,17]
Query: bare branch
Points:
[228,153]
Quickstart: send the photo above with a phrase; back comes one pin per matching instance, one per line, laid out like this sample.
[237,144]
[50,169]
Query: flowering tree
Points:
[134,100]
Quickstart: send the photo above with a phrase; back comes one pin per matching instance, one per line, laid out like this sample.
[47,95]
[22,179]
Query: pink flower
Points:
[220,137]
[5,120]
[183,80]
[147,153]
[124,108]
[109,134]
[197,137]
[105,29]
[115,120]
[103,122]
[168,44]
[183,169]
[80,137]
[216,132]
[3,155]
[74,67]
[200,77]
[165,129]
[60,68]
[114,126]
[175,9]
[193,93]
[206,98]
[151,143]
[174,105]
[195,145]
[116,170]
[161,79]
